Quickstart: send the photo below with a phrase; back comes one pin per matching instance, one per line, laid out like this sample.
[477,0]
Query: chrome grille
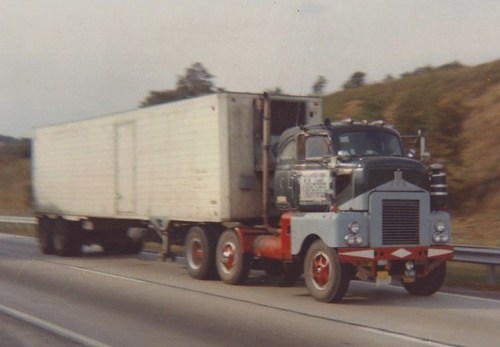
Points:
[400,222]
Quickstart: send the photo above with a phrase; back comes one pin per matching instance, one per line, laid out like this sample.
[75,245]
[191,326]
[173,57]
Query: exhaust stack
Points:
[266,145]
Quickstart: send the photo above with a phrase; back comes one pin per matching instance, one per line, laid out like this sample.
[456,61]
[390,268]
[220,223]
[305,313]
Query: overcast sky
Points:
[62,60]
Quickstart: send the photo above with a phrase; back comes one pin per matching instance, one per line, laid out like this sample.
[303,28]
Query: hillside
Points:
[459,111]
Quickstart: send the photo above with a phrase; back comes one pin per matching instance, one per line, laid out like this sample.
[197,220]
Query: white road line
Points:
[462,296]
[404,337]
[55,329]
[105,274]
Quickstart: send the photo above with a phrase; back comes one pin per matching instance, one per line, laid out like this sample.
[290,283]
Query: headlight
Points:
[440,226]
[350,239]
[354,227]
[358,239]
[436,237]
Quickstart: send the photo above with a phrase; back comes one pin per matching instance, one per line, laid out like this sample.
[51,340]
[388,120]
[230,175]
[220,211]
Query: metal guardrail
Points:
[467,254]
[17,220]
[480,255]
[21,225]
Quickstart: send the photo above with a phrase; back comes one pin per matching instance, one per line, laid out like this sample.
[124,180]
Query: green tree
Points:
[318,87]
[357,80]
[195,82]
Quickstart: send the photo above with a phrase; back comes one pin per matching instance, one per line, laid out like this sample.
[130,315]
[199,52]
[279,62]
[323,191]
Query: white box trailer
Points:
[180,163]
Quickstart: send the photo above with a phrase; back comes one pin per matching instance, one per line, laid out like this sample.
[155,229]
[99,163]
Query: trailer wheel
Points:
[67,240]
[45,235]
[233,265]
[425,286]
[324,276]
[200,253]
[133,247]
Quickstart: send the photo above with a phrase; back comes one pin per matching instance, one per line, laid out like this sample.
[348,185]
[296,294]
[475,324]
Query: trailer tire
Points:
[325,277]
[425,286]
[133,247]
[233,265]
[200,253]
[45,235]
[67,238]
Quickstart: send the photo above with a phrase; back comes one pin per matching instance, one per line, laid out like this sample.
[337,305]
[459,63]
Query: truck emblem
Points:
[398,175]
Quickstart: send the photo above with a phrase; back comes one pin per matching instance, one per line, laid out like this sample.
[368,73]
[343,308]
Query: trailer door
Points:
[125,168]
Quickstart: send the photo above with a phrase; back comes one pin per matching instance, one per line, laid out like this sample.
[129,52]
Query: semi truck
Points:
[242,181]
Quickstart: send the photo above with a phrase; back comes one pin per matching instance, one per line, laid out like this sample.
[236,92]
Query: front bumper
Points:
[392,260]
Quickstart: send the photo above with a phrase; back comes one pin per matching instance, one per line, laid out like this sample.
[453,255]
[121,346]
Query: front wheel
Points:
[324,276]
[428,285]
[233,265]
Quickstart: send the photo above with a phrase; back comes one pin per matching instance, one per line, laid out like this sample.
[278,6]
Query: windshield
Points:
[369,143]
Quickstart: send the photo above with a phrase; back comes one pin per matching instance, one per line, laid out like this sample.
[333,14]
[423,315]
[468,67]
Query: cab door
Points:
[285,176]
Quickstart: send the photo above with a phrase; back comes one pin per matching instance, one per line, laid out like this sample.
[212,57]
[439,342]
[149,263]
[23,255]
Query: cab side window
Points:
[317,147]
[288,152]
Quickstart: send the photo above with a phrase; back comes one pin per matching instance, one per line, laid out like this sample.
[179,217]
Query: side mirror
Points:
[343,155]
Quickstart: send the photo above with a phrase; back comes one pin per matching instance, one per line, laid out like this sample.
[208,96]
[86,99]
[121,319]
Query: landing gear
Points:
[233,265]
[325,278]
[428,285]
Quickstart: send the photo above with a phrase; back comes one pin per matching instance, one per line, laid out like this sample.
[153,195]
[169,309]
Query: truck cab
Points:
[356,207]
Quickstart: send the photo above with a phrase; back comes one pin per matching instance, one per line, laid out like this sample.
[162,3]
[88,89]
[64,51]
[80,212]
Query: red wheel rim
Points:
[196,252]
[228,256]
[320,270]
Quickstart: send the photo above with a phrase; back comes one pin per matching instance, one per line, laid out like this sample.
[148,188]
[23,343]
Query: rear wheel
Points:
[133,247]
[233,265]
[200,253]
[324,275]
[428,285]
[67,238]
[45,235]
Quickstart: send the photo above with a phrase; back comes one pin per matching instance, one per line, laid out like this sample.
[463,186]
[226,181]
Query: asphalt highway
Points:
[101,300]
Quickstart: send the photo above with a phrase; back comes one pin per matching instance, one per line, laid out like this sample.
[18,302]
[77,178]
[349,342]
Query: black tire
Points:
[45,235]
[200,253]
[425,286]
[133,247]
[67,238]
[325,277]
[113,248]
[233,265]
